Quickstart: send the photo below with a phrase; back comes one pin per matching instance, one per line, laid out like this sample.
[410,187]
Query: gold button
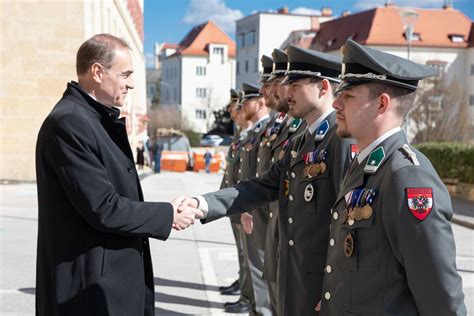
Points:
[273,159]
[332,242]
[290,242]
[256,174]
[335,215]
[271,214]
[327,296]
[290,197]
[290,220]
[293,175]
[328,269]
[351,221]
[240,171]
[258,159]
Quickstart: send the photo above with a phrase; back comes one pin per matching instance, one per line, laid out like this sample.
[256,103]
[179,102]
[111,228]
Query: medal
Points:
[308,192]
[314,170]
[306,171]
[349,245]
[366,211]
[323,167]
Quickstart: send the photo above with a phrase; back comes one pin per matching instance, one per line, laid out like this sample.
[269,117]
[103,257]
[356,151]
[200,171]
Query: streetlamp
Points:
[409,18]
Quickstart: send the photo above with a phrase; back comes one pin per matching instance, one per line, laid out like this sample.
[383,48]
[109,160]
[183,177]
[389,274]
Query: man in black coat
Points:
[93,226]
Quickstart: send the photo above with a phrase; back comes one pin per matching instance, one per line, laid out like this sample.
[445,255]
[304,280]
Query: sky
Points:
[170,20]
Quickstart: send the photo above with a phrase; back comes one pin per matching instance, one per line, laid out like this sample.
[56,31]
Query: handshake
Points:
[185,212]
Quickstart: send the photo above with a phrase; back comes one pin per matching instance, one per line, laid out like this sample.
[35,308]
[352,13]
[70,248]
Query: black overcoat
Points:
[93,254]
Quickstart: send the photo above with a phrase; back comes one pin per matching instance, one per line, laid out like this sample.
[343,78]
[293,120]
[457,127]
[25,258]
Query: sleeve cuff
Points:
[203,206]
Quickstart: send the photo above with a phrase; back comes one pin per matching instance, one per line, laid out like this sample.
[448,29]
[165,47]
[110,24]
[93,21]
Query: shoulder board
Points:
[406,150]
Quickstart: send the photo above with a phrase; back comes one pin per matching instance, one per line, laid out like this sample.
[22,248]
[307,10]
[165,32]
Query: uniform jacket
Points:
[93,254]
[397,264]
[278,147]
[304,224]
[248,168]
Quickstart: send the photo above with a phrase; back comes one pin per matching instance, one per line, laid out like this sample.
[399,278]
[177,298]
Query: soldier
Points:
[391,247]
[254,109]
[277,138]
[306,181]
[242,286]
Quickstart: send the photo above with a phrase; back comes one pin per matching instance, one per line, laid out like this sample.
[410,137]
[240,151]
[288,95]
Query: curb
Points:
[464,221]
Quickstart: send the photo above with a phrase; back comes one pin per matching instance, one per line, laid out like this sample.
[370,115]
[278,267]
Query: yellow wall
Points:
[38,41]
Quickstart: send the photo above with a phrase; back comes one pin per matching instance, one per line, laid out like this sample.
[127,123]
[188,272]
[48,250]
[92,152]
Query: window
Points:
[200,71]
[456,38]
[250,38]
[240,41]
[471,100]
[238,68]
[201,114]
[218,51]
[246,66]
[439,65]
[255,68]
[201,92]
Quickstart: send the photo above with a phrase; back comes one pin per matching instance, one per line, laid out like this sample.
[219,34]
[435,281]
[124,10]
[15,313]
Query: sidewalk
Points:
[463,212]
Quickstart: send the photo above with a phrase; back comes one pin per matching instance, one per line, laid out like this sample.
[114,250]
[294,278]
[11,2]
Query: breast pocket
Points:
[359,244]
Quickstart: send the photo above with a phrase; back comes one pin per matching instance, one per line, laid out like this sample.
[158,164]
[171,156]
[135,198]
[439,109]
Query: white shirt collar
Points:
[364,153]
[312,128]
[261,119]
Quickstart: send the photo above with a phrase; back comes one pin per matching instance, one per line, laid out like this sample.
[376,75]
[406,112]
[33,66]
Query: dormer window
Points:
[415,37]
[218,51]
[456,38]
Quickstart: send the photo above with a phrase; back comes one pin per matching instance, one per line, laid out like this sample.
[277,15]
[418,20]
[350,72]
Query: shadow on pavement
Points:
[188,285]
[173,299]
[163,312]
[206,241]
[28,290]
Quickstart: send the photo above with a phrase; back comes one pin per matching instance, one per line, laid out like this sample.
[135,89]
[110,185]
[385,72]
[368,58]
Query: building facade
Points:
[39,41]
[197,75]
[258,34]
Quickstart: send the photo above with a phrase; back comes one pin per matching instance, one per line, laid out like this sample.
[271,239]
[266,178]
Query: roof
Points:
[169,45]
[383,26]
[196,42]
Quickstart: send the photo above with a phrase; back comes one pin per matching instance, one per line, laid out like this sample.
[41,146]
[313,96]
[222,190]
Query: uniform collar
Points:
[260,120]
[364,153]
[312,128]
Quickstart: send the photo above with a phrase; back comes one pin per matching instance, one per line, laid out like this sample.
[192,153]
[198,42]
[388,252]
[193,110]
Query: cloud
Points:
[369,4]
[199,11]
[306,11]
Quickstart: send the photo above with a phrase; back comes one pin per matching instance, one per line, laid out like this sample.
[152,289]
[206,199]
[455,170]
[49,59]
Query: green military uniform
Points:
[391,248]
[304,199]
[230,178]
[253,243]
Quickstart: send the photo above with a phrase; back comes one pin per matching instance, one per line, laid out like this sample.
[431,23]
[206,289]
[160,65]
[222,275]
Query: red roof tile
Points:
[197,40]
[384,26]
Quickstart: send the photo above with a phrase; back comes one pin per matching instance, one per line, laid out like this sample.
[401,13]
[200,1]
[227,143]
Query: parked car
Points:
[211,140]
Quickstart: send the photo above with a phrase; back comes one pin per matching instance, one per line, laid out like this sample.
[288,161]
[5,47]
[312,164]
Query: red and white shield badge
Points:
[354,150]
[420,202]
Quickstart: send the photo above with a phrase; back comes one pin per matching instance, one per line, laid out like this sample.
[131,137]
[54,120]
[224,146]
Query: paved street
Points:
[188,267]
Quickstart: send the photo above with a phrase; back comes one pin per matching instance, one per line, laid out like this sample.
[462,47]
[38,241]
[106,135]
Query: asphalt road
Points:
[188,266]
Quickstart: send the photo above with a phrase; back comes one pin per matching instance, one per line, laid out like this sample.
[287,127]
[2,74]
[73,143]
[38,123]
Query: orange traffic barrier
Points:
[199,163]
[174,161]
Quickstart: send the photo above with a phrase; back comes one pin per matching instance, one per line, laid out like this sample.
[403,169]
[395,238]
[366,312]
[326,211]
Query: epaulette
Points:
[406,150]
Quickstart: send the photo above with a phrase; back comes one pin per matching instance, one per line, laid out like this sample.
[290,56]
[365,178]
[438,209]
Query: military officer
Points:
[278,137]
[391,247]
[242,286]
[253,106]
[306,181]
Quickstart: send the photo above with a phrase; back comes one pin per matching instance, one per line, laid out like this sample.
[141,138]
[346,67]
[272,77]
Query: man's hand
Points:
[184,216]
[247,223]
[188,201]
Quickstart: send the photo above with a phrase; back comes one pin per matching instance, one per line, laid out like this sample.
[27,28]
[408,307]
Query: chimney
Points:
[283,10]
[326,11]
[345,13]
[448,5]
[389,4]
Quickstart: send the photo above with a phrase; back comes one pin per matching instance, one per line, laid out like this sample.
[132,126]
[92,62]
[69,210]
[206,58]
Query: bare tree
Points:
[441,113]
[162,116]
